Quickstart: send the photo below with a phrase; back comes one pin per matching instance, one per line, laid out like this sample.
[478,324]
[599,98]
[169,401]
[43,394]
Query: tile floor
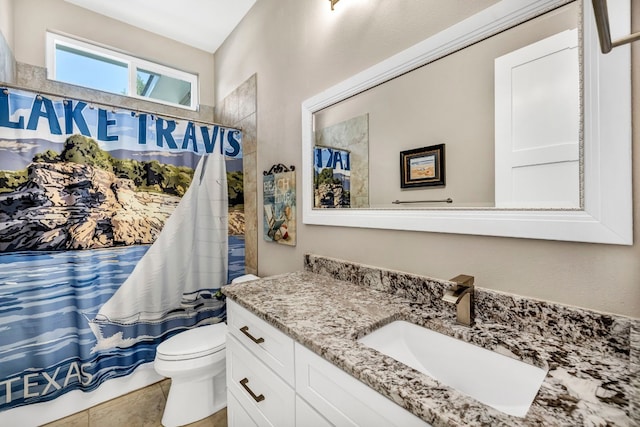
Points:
[141,408]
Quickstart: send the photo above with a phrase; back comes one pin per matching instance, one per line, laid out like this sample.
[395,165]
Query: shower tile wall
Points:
[239,109]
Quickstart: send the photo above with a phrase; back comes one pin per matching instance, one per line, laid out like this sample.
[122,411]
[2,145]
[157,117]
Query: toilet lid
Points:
[193,343]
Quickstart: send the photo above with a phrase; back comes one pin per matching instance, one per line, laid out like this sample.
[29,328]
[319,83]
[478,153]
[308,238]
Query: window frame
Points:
[133,65]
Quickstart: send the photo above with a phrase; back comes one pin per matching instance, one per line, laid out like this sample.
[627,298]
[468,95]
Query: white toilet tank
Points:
[244,278]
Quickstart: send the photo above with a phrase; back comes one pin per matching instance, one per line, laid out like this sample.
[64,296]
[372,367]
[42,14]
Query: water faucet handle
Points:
[463,279]
[463,285]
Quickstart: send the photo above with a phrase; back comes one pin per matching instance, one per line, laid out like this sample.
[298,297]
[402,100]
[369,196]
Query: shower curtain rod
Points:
[112,106]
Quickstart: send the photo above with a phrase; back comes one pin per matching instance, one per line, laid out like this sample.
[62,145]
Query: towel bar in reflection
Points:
[400,202]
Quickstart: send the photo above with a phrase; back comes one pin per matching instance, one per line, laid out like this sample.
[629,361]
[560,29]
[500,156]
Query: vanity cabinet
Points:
[274,381]
[260,371]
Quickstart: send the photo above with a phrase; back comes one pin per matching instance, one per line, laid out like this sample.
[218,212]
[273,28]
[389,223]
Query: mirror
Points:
[451,101]
[575,202]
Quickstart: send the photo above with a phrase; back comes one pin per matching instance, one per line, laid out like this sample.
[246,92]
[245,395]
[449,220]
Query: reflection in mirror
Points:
[605,213]
[507,108]
[341,164]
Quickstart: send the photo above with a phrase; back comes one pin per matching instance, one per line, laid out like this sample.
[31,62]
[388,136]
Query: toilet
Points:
[195,361]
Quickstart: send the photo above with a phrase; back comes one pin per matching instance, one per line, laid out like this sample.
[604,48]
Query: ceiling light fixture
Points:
[333,2]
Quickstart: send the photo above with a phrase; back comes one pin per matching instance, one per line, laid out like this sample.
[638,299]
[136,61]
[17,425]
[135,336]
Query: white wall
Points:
[34,17]
[298,48]
[6,21]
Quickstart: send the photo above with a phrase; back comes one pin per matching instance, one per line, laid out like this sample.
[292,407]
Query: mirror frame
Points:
[606,216]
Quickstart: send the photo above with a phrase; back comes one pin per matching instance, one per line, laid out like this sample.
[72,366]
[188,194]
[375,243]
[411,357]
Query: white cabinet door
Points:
[236,415]
[342,399]
[537,125]
[306,416]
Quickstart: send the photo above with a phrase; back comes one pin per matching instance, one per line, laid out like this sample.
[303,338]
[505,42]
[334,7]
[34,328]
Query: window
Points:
[80,63]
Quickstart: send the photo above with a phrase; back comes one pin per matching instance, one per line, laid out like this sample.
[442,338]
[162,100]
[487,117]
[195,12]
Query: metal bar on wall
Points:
[399,202]
[604,31]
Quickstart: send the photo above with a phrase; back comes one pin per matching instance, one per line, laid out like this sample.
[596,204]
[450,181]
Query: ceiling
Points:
[203,24]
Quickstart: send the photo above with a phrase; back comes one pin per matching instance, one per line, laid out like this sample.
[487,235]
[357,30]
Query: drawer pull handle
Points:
[243,383]
[245,330]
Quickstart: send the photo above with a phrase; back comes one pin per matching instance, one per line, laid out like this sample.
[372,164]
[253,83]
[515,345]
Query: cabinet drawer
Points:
[271,346]
[342,399]
[267,399]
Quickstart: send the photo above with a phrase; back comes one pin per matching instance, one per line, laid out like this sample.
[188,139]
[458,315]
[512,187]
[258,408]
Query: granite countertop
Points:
[586,384]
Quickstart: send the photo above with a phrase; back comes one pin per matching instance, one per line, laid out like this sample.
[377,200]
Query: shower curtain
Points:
[113,237]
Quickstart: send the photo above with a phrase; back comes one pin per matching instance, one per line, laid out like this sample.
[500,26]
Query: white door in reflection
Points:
[537,144]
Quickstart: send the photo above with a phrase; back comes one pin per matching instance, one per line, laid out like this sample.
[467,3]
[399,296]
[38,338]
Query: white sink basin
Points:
[501,382]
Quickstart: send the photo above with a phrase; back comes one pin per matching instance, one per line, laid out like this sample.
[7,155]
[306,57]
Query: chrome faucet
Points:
[461,294]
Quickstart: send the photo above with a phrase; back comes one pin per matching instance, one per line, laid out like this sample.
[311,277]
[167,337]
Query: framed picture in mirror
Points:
[332,178]
[422,167]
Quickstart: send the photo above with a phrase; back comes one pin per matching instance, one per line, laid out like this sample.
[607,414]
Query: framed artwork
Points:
[279,190]
[422,167]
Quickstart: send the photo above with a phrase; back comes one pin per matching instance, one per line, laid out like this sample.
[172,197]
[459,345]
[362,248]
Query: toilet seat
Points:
[193,343]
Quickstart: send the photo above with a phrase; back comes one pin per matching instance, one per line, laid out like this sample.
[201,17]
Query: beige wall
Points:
[34,17]
[300,48]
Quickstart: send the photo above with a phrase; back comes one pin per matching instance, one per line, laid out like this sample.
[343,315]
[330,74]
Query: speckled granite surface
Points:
[593,359]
